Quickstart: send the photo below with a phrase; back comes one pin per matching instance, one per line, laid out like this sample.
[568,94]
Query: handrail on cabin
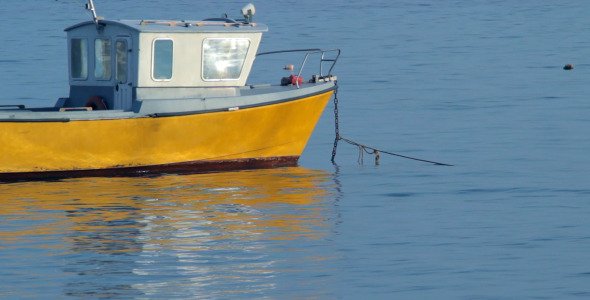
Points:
[212,21]
[309,52]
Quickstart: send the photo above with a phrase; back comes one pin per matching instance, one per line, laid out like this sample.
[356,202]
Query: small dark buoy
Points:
[568,67]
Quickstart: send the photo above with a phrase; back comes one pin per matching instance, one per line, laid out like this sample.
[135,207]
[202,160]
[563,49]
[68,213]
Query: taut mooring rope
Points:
[365,148]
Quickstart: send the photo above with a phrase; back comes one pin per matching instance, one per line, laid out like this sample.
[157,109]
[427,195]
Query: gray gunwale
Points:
[248,97]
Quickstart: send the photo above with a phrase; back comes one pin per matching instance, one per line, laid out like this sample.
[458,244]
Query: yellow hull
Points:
[259,133]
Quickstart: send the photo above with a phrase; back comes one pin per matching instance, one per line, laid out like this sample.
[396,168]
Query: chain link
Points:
[336,125]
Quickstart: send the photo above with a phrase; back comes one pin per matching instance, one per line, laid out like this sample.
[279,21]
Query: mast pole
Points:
[90,7]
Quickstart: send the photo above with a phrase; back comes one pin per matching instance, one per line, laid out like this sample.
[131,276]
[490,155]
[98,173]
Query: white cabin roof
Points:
[217,25]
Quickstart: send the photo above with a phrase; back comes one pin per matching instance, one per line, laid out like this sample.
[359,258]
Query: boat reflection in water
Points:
[170,236]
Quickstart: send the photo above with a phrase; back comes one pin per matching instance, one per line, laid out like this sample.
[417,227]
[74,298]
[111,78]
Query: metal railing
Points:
[331,61]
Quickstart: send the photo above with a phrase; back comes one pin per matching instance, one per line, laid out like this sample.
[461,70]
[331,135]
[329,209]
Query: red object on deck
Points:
[296,79]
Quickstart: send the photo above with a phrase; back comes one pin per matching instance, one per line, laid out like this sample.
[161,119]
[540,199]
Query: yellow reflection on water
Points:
[229,203]
[206,228]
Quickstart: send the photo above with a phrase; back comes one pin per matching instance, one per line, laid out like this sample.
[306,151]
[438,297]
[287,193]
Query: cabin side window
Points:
[223,58]
[162,59]
[79,58]
[102,59]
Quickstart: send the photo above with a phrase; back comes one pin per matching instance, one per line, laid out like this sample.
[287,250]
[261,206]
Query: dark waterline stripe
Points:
[189,167]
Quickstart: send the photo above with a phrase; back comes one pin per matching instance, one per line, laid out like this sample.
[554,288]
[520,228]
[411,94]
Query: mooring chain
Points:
[336,125]
[364,148]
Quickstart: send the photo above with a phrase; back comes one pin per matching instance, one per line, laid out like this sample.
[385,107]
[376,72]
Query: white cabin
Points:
[134,60]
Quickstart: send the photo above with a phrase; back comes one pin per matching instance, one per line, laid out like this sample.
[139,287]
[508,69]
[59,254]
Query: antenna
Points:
[90,7]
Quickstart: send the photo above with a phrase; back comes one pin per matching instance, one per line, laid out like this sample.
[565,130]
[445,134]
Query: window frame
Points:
[243,63]
[153,67]
[108,65]
[118,69]
[84,63]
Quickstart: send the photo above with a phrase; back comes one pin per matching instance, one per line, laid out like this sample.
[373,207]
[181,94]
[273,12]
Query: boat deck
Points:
[204,101]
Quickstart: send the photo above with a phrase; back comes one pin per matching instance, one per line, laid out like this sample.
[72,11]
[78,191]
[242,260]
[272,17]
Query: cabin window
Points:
[162,60]
[121,61]
[223,59]
[79,58]
[102,59]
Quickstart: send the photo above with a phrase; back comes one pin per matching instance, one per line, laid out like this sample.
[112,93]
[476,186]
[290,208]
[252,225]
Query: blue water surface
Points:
[476,84]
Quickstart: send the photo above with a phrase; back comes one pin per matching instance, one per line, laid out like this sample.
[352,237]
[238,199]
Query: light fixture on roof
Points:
[248,11]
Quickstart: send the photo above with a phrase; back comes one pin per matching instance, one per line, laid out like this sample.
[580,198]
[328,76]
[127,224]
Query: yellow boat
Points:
[166,96]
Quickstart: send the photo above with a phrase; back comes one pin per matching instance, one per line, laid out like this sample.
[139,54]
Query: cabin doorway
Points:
[123,81]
